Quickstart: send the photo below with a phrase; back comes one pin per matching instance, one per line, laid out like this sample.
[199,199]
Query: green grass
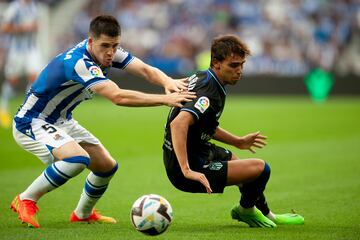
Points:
[313,149]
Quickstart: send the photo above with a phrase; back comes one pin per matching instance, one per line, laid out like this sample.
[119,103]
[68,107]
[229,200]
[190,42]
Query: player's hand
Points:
[251,141]
[176,85]
[175,99]
[200,177]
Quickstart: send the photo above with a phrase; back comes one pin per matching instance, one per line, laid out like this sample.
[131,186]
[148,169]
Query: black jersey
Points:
[206,110]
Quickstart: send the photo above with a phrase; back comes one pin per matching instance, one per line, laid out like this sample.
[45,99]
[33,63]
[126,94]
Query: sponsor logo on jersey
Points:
[202,104]
[58,137]
[192,82]
[95,71]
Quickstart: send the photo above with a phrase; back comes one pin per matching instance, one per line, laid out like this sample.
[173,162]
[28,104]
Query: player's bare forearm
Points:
[248,142]
[224,136]
[179,131]
[132,98]
[156,76]
[151,74]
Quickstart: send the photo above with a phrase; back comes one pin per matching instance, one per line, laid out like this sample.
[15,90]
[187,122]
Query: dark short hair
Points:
[104,24]
[227,45]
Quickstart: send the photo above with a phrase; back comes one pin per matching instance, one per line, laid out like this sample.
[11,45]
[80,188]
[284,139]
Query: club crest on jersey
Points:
[95,71]
[58,137]
[202,104]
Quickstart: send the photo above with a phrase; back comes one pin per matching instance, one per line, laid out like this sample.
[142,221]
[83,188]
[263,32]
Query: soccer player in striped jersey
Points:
[21,23]
[44,125]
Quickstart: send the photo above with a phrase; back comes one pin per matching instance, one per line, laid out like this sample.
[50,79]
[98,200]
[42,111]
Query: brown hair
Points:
[226,45]
[104,24]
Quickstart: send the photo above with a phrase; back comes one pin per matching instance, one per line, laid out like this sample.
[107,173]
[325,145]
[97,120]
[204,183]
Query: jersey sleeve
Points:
[86,73]
[122,59]
[202,104]
[198,107]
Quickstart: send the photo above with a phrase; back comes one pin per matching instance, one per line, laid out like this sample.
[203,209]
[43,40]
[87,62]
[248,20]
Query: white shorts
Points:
[20,63]
[48,136]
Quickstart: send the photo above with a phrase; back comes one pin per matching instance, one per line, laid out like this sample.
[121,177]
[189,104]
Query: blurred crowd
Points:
[287,37]
[49,2]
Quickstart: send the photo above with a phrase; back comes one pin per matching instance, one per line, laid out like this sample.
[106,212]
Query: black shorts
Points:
[208,159]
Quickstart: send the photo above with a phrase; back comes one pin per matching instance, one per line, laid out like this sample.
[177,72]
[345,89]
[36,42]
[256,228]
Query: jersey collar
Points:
[222,86]
[87,51]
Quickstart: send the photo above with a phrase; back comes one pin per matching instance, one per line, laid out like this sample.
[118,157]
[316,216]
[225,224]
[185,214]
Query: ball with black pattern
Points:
[151,214]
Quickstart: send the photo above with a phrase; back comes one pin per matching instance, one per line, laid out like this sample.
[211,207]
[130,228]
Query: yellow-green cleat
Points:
[256,219]
[289,219]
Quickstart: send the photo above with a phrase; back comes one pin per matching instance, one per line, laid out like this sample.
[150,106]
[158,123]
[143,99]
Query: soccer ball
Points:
[151,214]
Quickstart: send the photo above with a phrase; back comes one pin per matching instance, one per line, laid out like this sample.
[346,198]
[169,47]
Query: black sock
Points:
[262,205]
[252,191]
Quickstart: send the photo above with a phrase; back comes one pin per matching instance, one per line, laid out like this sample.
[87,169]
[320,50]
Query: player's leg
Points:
[279,219]
[252,192]
[102,167]
[72,160]
[48,142]
[251,175]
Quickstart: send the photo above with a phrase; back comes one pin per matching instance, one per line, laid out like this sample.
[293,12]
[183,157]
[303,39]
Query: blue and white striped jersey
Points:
[19,13]
[63,84]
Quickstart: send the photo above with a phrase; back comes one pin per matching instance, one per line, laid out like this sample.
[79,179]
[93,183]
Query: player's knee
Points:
[112,165]
[259,165]
[107,164]
[264,170]
[108,172]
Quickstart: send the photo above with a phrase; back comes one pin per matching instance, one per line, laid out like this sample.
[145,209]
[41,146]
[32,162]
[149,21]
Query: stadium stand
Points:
[287,37]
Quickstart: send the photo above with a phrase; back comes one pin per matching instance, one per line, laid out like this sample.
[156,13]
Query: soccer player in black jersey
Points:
[193,164]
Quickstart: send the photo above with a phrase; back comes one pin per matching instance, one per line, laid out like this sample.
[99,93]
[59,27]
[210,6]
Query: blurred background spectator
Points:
[287,37]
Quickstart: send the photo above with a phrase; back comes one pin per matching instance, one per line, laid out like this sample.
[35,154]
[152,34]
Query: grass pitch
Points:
[313,150]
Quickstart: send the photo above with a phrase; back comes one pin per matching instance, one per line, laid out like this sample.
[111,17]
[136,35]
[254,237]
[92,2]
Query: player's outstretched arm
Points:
[248,141]
[179,131]
[156,76]
[131,98]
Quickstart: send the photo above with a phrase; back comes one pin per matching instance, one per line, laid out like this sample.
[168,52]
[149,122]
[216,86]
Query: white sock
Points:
[53,176]
[247,210]
[271,216]
[85,205]
[37,188]
[95,187]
